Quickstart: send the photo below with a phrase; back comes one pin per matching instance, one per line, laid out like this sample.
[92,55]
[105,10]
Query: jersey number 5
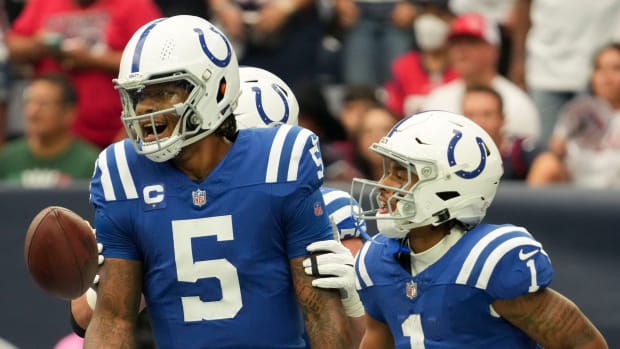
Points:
[188,270]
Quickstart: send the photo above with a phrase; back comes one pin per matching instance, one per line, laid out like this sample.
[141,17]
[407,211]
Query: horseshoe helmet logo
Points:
[261,111]
[483,156]
[203,44]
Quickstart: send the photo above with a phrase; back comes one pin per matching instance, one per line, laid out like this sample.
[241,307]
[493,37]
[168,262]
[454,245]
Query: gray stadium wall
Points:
[578,228]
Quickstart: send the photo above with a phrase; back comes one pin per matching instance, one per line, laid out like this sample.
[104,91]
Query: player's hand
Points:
[334,269]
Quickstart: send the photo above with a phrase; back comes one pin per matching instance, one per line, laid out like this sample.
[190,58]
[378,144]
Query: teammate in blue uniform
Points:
[267,101]
[434,277]
[209,223]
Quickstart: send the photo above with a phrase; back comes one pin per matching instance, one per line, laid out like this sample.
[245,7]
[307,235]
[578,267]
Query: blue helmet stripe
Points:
[135,63]
[397,126]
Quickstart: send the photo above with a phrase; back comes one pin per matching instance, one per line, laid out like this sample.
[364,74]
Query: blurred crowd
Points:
[541,76]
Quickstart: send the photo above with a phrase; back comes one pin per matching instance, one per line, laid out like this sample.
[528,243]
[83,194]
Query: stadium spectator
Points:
[84,39]
[48,155]
[315,115]
[281,36]
[171,8]
[356,100]
[375,33]
[484,106]
[499,11]
[420,70]
[553,43]
[473,51]
[375,123]
[584,149]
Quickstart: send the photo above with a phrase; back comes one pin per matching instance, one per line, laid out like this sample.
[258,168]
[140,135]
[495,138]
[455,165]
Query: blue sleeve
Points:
[371,306]
[306,217]
[364,282]
[524,269]
[311,172]
[306,222]
[117,241]
[112,211]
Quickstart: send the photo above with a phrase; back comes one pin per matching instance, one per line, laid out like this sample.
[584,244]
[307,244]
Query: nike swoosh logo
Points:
[524,256]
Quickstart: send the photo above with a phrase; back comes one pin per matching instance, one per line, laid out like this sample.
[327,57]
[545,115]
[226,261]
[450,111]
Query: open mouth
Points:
[383,208]
[152,131]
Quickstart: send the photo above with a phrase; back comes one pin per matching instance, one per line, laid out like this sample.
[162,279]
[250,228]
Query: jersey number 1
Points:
[188,270]
[412,328]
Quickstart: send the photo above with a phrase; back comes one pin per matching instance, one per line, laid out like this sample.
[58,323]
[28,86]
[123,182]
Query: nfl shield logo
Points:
[199,197]
[318,210]
[412,289]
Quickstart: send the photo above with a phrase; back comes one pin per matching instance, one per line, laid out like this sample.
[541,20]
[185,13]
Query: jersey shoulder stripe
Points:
[286,153]
[362,277]
[113,177]
[488,251]
[341,207]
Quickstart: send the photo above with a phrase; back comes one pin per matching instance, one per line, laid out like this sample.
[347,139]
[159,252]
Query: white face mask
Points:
[430,32]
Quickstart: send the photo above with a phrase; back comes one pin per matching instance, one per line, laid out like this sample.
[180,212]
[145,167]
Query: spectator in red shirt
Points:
[416,73]
[84,39]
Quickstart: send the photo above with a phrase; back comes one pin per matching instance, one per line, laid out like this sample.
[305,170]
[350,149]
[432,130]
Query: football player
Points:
[209,222]
[435,277]
[267,101]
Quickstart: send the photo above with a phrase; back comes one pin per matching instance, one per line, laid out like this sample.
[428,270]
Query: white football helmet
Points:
[187,51]
[265,100]
[458,166]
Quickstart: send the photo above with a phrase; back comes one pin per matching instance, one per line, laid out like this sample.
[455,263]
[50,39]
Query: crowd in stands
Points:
[542,77]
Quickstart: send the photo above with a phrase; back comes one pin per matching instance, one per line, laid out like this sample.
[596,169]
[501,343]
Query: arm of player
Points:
[334,269]
[118,298]
[551,319]
[377,335]
[326,322]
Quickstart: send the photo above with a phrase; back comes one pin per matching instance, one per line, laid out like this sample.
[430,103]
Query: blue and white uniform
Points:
[340,206]
[216,253]
[448,304]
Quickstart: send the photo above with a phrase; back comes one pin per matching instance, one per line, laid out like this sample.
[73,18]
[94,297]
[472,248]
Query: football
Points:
[60,250]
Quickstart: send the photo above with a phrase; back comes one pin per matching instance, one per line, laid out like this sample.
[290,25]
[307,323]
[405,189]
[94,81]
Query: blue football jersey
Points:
[340,206]
[448,304]
[216,253]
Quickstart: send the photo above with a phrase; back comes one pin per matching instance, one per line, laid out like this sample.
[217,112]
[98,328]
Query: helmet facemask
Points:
[150,132]
[402,213]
